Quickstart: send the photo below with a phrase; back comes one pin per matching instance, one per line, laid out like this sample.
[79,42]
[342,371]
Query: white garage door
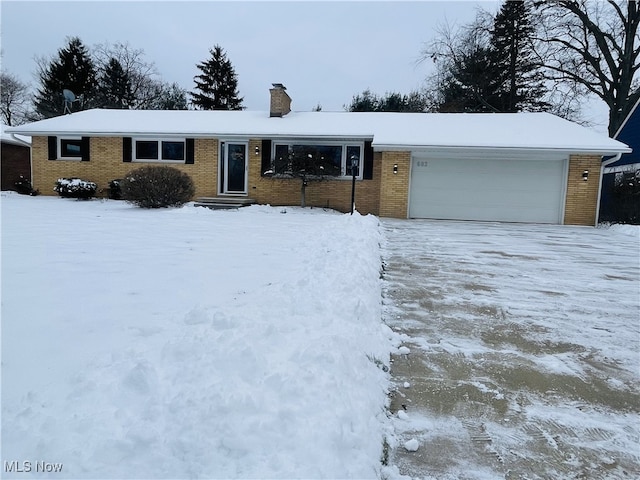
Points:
[508,190]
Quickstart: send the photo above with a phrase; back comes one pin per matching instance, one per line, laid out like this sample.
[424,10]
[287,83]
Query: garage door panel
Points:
[487,189]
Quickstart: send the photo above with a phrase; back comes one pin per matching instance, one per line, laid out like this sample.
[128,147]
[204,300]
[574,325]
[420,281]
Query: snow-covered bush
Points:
[24,187]
[157,187]
[75,188]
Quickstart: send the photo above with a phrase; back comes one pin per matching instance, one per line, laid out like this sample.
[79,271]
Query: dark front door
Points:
[235,168]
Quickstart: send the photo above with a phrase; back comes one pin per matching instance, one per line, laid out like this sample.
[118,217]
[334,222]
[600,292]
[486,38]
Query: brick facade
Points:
[582,196]
[330,193]
[106,164]
[394,187]
[386,195]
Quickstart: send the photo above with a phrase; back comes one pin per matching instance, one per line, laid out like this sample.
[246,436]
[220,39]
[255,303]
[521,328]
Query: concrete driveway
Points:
[524,348]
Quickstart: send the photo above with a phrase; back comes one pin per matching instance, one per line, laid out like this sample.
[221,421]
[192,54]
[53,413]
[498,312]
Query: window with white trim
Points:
[331,159]
[159,150]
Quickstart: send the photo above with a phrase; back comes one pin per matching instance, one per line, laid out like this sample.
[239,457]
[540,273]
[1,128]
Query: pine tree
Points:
[474,83]
[74,70]
[217,85]
[520,81]
[114,87]
[489,66]
[390,102]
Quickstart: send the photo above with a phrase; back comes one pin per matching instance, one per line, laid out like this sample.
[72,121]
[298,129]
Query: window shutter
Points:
[85,149]
[53,148]
[190,151]
[367,167]
[266,156]
[126,149]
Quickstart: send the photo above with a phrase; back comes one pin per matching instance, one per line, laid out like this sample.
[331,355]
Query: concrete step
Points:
[223,203]
[227,200]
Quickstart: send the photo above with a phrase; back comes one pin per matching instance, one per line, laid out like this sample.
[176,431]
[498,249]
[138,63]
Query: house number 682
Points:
[422,163]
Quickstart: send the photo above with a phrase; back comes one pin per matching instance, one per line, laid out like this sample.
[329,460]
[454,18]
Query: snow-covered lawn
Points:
[189,343]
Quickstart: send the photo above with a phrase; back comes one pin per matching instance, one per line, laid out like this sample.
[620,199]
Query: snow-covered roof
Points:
[14,140]
[523,131]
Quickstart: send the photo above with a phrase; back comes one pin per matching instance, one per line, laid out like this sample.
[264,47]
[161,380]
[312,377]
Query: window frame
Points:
[159,141]
[326,143]
[68,138]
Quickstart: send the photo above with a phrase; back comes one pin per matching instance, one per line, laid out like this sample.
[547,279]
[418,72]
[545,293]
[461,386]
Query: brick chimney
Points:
[280,101]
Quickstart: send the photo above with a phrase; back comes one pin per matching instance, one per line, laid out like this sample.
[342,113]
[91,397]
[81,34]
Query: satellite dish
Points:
[69,98]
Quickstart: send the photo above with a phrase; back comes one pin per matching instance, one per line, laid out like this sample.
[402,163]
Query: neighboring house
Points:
[620,200]
[15,159]
[524,167]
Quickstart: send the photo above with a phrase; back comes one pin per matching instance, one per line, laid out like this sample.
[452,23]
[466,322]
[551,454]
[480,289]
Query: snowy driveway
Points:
[524,347]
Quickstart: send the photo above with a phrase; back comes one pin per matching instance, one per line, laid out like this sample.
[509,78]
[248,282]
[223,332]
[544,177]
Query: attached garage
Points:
[499,187]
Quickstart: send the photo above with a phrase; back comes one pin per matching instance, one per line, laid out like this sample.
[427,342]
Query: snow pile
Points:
[191,343]
[633,230]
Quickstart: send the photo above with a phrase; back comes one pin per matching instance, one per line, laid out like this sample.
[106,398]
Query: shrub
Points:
[157,187]
[24,187]
[75,188]
[115,189]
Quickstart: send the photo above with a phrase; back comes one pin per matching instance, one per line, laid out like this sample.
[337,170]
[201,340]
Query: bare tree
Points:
[14,100]
[460,81]
[594,45]
[142,75]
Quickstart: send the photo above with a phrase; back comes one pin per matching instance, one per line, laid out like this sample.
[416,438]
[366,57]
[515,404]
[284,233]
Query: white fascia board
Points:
[225,135]
[578,150]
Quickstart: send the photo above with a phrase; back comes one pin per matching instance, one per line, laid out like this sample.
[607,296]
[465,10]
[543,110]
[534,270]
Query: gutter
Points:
[20,141]
[209,134]
[604,164]
[577,150]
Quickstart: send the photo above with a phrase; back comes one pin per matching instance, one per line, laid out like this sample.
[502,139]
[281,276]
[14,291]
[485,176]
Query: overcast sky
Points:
[323,52]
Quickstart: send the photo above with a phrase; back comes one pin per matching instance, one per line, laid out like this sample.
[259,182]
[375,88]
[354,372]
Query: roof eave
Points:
[573,150]
[225,135]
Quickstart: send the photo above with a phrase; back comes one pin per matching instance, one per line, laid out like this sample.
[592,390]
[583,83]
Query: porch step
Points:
[223,203]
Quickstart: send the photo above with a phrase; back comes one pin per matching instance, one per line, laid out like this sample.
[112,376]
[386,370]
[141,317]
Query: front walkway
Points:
[524,348]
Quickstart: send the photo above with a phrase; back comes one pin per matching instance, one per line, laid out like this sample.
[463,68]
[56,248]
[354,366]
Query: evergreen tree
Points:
[365,102]
[74,70]
[489,66]
[390,102]
[114,87]
[474,84]
[520,84]
[217,85]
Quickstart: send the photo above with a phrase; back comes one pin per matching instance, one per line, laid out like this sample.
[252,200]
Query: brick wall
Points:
[394,187]
[106,164]
[15,161]
[582,197]
[331,193]
[385,195]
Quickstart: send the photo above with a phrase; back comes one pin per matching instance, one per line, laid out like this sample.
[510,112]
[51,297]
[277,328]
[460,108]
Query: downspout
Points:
[604,164]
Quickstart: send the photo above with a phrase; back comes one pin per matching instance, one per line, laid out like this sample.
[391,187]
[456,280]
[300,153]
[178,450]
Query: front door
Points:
[234,166]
